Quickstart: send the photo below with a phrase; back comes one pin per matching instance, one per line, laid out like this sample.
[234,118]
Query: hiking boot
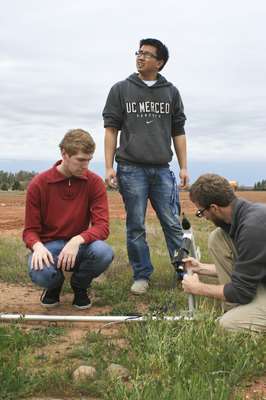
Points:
[140,286]
[81,299]
[50,297]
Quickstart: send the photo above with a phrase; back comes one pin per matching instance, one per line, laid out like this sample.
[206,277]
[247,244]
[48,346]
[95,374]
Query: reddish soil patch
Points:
[12,207]
[17,299]
[256,390]
[11,211]
[26,299]
[116,206]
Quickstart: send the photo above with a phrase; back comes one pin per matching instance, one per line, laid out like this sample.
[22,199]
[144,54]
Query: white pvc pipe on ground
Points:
[86,318]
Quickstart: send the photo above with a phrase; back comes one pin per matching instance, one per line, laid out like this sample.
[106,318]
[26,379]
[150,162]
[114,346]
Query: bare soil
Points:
[12,206]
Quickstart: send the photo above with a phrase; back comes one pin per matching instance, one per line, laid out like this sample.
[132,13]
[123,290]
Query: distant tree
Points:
[16,186]
[24,175]
[18,180]
[3,177]
[4,186]
[261,185]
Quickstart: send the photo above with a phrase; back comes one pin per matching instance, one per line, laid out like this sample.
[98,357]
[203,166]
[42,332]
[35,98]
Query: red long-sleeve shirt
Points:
[58,207]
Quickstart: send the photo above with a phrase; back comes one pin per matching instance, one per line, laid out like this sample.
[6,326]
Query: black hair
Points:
[161,50]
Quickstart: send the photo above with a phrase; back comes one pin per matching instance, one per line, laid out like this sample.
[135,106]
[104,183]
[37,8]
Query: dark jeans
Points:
[92,260]
[137,184]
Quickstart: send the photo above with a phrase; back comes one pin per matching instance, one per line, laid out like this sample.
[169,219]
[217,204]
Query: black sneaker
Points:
[81,299]
[50,297]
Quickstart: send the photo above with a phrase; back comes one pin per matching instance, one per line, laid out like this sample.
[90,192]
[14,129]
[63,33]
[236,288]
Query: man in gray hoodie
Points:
[148,111]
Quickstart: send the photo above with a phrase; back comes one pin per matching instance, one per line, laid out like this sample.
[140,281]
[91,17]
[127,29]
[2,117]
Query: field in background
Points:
[12,207]
[166,361]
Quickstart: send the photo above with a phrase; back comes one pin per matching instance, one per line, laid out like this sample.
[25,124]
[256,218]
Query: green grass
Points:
[13,260]
[167,360]
[163,293]
[184,360]
[17,375]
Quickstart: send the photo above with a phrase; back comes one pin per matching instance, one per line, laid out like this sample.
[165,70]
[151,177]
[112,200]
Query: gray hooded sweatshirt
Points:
[147,116]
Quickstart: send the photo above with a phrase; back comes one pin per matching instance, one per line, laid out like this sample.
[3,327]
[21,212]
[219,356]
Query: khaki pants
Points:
[250,316]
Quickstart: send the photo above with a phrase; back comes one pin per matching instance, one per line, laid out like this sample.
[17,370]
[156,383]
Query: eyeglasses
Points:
[146,54]
[200,211]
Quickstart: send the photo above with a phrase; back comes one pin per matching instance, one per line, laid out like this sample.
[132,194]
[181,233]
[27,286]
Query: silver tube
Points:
[193,251]
[86,318]
[191,299]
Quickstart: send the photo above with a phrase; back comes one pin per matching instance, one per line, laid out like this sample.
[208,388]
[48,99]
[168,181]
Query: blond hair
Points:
[77,140]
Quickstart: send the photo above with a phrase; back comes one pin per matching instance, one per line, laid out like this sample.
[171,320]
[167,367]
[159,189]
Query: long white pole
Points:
[87,318]
[189,234]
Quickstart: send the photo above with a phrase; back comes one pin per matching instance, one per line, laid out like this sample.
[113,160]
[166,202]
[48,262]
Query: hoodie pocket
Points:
[147,147]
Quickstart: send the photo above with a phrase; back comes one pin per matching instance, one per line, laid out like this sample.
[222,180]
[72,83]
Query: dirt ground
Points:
[25,299]
[12,207]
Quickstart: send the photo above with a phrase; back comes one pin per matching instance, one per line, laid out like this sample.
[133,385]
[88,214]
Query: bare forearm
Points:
[180,145]
[208,290]
[207,269]
[110,142]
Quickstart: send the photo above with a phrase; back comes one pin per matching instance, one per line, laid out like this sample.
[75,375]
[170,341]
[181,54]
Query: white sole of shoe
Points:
[82,307]
[138,293]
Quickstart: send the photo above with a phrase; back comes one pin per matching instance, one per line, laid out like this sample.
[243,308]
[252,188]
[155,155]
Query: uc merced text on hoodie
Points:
[147,116]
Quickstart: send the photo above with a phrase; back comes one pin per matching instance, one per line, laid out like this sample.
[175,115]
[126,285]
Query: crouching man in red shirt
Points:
[66,223]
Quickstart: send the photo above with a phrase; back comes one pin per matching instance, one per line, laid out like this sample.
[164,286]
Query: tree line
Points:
[260,185]
[15,181]
[20,180]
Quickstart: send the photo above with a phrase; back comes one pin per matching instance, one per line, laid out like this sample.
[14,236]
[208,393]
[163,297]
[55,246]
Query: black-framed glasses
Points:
[146,54]
[200,211]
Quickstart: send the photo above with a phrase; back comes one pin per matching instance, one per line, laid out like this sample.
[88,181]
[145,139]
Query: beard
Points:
[220,223]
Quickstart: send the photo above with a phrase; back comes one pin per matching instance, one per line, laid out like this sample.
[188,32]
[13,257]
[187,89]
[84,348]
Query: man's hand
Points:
[67,256]
[192,264]
[110,178]
[184,178]
[41,256]
[191,284]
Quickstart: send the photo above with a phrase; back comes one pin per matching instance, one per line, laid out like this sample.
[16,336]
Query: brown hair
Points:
[211,189]
[77,140]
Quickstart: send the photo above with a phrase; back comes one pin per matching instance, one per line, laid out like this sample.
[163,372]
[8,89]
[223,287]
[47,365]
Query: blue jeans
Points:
[137,184]
[92,259]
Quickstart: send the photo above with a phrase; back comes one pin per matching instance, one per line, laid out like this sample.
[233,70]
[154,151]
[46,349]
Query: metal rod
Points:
[191,299]
[87,318]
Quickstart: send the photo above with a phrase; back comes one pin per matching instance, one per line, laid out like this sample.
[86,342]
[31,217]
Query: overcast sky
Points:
[59,58]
